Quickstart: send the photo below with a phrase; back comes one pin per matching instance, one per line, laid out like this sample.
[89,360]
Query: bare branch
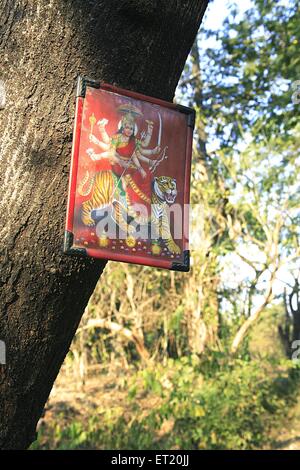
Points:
[244,329]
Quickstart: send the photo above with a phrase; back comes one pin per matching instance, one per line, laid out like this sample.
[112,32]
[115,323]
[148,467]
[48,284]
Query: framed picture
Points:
[130,178]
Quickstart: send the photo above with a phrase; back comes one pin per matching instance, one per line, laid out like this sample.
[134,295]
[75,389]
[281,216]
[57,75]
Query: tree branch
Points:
[244,329]
[116,329]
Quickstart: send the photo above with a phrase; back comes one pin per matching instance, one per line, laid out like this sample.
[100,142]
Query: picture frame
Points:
[129,186]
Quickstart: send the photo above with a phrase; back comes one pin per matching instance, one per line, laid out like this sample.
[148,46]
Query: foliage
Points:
[248,78]
[233,408]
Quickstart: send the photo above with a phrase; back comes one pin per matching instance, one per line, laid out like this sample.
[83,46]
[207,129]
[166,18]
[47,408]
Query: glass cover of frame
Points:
[130,178]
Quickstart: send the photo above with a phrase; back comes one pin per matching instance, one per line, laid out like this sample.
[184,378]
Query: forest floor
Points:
[72,401]
[74,397]
[104,389]
[288,436]
[114,390]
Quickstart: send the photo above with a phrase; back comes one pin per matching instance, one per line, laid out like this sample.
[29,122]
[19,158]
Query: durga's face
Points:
[128,130]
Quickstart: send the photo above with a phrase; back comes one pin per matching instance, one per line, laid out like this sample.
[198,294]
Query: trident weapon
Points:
[163,156]
[159,131]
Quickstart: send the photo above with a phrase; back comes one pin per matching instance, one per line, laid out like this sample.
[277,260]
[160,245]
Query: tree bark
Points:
[141,45]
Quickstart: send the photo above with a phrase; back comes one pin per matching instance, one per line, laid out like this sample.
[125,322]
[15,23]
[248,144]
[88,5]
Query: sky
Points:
[217,10]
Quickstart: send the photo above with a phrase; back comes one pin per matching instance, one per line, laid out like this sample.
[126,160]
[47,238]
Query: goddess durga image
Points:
[130,180]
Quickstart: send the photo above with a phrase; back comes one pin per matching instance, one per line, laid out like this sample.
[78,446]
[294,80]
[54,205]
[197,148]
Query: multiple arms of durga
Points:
[123,148]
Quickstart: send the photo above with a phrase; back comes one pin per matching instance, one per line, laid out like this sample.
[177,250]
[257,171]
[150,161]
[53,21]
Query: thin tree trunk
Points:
[247,325]
[141,45]
[206,317]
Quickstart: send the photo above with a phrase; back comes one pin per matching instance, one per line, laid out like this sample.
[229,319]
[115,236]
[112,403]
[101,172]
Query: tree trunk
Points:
[289,331]
[248,324]
[206,317]
[137,44]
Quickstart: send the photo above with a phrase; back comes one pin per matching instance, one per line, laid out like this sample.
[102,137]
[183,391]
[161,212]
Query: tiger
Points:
[103,187]
[164,193]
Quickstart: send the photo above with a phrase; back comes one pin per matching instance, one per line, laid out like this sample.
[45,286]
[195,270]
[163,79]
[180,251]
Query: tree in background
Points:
[208,205]
[247,103]
[248,76]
